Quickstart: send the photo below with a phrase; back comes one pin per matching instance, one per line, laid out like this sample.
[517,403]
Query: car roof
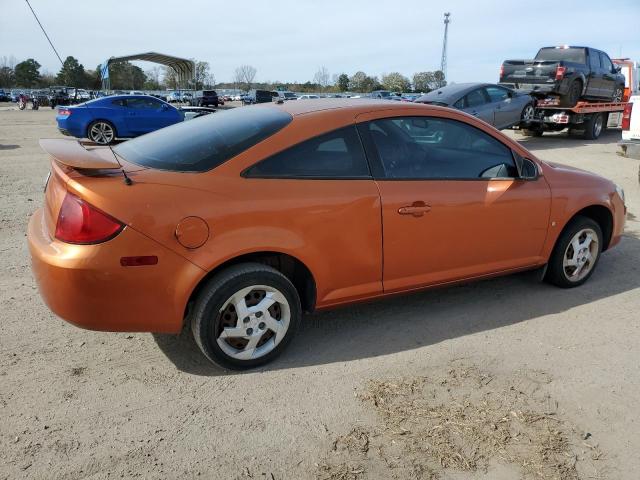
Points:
[353,105]
[452,92]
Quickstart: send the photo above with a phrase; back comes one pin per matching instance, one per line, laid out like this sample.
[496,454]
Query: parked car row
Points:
[106,119]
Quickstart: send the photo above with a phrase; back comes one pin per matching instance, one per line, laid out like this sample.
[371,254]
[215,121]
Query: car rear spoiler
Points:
[73,154]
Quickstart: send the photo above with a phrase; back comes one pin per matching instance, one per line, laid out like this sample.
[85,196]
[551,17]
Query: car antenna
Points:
[127,179]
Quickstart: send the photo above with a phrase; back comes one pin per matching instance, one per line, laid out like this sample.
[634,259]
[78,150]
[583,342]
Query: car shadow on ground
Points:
[417,320]
[9,147]
[553,140]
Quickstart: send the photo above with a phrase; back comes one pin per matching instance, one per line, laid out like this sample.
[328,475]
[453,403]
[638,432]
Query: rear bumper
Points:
[86,285]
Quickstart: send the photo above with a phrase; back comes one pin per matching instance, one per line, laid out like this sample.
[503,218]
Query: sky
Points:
[289,40]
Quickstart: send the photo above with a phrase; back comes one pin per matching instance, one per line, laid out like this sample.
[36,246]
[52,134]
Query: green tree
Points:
[126,76]
[343,82]
[27,73]
[396,82]
[361,82]
[72,73]
[427,81]
[201,74]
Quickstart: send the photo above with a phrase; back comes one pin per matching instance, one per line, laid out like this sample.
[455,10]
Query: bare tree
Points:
[322,77]
[170,78]
[245,74]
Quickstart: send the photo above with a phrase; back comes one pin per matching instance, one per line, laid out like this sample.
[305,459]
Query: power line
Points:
[44,31]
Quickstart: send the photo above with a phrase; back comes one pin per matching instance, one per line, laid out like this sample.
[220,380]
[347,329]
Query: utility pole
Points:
[443,61]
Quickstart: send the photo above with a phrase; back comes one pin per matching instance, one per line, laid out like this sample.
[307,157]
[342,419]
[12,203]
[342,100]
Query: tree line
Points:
[122,75]
[127,76]
[323,81]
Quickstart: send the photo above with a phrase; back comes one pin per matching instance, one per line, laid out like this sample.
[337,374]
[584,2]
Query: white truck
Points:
[630,143]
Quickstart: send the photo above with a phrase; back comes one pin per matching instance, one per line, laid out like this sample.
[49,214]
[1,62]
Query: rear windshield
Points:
[557,54]
[204,143]
[209,93]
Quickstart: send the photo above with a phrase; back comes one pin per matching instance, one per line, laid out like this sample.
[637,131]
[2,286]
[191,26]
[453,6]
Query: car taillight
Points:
[82,223]
[501,71]
[626,116]
[64,111]
[560,72]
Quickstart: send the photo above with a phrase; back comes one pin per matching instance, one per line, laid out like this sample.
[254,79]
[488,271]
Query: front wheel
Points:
[245,316]
[527,114]
[617,95]
[576,253]
[101,132]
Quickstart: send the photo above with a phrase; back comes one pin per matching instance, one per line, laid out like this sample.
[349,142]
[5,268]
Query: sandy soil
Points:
[502,379]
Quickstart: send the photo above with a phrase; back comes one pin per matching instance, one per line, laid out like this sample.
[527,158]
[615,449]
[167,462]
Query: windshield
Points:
[558,54]
[206,142]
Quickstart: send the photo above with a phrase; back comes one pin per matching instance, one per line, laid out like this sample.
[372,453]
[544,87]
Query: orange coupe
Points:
[239,221]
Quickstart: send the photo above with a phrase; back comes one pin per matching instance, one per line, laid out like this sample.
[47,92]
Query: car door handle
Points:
[417,209]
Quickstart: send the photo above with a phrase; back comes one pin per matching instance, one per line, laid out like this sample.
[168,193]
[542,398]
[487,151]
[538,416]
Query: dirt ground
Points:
[508,378]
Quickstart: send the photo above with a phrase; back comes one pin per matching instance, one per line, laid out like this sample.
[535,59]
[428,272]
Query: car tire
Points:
[566,272]
[532,132]
[573,94]
[618,93]
[528,113]
[101,132]
[263,333]
[594,126]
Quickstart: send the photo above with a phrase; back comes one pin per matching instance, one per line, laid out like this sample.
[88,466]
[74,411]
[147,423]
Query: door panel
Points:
[594,82]
[472,228]
[608,77]
[503,106]
[451,205]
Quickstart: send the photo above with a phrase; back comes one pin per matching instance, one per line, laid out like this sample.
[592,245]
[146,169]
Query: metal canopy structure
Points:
[185,69]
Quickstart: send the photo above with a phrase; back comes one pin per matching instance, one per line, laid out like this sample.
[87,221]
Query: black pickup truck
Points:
[573,73]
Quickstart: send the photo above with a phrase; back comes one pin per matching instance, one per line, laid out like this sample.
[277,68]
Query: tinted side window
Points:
[594,60]
[459,104]
[475,99]
[143,103]
[497,94]
[438,148]
[120,102]
[337,154]
[605,62]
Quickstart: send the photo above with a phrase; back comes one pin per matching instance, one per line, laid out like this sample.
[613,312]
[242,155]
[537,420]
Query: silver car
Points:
[495,104]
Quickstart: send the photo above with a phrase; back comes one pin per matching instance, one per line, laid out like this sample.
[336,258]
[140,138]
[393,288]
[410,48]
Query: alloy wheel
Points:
[252,322]
[580,255]
[527,113]
[102,133]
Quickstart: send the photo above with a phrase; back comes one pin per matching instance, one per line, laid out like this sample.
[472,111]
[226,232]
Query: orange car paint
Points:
[336,228]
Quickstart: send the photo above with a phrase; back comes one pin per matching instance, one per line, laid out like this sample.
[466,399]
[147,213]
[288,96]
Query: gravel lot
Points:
[412,387]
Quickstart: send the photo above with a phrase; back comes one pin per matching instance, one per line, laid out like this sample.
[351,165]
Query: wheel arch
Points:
[291,267]
[600,214]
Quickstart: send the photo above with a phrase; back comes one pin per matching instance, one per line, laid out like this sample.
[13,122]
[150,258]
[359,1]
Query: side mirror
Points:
[617,68]
[527,169]
[165,106]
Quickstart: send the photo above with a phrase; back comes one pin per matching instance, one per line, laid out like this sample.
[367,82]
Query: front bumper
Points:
[86,285]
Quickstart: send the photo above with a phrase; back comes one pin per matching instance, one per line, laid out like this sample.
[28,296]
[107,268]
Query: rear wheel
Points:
[576,253]
[245,316]
[573,95]
[593,126]
[532,132]
[101,132]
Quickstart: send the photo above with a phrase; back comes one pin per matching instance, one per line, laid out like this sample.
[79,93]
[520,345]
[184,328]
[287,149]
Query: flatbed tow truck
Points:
[592,118]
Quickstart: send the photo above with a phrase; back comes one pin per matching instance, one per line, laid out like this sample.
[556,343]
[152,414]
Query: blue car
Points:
[122,116]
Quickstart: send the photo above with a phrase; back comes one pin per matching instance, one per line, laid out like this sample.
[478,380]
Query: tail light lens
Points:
[80,222]
[501,71]
[64,111]
[560,72]
[626,116]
